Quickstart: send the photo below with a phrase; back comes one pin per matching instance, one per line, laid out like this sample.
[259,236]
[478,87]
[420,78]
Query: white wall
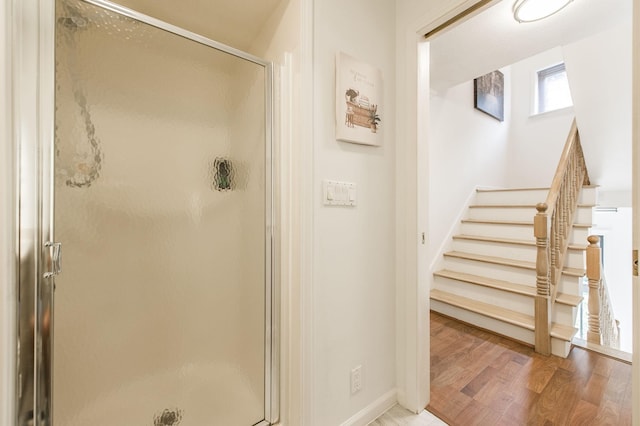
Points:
[280,33]
[353,261]
[468,149]
[535,141]
[599,71]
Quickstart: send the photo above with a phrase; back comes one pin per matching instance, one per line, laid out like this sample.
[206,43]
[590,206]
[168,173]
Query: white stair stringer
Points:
[489,276]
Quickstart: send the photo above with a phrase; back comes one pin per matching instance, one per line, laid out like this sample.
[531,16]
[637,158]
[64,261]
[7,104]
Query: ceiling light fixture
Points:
[535,10]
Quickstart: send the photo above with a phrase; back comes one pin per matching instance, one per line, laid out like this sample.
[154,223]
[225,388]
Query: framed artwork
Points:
[359,104]
[488,94]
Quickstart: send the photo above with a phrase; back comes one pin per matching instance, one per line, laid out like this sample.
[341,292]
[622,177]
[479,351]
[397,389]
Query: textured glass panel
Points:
[160,206]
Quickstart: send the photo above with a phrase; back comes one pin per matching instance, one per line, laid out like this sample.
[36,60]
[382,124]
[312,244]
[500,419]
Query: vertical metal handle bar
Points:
[56,259]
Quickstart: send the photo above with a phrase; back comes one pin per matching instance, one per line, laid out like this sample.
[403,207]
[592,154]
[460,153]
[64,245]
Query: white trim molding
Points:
[302,221]
[412,189]
[635,117]
[8,209]
[373,410]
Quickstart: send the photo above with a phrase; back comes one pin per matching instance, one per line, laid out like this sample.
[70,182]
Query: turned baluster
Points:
[564,199]
[593,274]
[555,246]
[542,300]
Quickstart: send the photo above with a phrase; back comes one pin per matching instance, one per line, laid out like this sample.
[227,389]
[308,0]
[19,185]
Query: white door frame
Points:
[412,195]
[8,208]
[635,117]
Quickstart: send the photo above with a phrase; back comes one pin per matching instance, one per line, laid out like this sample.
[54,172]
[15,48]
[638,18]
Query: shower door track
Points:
[36,230]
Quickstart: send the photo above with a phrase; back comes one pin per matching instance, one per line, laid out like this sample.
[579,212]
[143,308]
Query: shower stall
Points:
[146,278]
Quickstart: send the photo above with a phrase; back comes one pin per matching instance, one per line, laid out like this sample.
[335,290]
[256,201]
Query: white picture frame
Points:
[359,103]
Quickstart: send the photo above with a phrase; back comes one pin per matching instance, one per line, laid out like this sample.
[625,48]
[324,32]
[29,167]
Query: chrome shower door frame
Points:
[34,118]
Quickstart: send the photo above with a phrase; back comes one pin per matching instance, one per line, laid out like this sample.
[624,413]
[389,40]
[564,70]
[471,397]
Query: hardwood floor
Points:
[479,378]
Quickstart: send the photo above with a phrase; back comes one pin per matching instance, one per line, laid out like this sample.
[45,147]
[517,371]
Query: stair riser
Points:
[573,259]
[516,302]
[587,196]
[517,232]
[513,331]
[533,197]
[583,214]
[569,285]
[564,314]
[490,270]
[558,347]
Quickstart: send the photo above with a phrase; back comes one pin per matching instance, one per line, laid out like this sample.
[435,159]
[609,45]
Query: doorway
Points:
[414,66]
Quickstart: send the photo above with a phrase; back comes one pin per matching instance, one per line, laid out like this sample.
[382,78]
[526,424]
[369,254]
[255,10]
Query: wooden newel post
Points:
[542,299]
[593,274]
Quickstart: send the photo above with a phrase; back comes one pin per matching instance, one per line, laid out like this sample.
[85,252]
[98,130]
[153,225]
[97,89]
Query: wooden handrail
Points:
[552,227]
[570,144]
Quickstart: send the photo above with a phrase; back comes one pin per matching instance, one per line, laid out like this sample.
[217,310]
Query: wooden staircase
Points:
[488,276]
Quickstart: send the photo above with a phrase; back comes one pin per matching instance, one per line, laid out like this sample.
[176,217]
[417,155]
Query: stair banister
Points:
[552,225]
[604,329]
[593,275]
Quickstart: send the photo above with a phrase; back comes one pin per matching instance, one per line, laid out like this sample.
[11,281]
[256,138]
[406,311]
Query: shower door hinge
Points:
[56,259]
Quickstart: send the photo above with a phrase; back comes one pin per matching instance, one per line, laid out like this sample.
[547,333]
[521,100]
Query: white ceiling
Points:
[236,23]
[493,39]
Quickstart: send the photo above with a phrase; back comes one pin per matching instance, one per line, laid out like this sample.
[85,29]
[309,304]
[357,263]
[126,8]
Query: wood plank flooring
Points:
[479,378]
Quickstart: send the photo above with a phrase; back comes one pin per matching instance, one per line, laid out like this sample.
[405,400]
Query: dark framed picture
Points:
[488,94]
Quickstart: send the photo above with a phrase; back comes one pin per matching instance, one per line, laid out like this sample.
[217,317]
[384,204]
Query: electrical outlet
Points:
[356,379]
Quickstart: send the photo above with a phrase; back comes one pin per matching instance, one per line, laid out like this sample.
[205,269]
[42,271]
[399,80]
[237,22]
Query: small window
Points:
[553,89]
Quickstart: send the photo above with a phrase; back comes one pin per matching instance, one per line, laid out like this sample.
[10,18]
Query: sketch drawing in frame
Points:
[488,94]
[358,101]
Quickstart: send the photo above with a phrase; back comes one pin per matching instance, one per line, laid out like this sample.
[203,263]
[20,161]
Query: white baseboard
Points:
[373,410]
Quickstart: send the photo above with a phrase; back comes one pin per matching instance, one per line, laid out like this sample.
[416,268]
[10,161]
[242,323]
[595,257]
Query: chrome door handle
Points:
[56,259]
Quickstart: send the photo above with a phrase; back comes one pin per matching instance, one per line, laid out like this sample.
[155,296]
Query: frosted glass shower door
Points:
[162,311]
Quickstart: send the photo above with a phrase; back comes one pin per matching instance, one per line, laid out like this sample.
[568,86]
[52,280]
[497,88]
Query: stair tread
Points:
[531,242]
[568,299]
[517,222]
[518,206]
[500,222]
[558,331]
[487,282]
[526,290]
[563,332]
[511,189]
[525,189]
[492,259]
[497,312]
[508,262]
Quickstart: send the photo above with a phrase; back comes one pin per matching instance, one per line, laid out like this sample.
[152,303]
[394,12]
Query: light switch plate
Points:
[336,193]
